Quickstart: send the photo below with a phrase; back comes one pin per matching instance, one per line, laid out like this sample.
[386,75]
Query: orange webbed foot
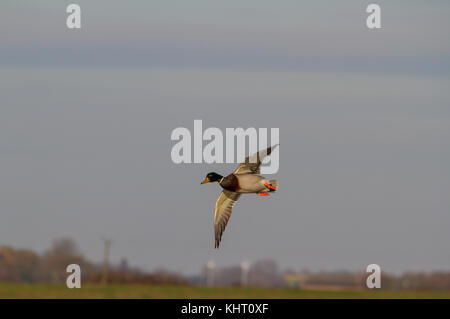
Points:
[270,186]
[263,194]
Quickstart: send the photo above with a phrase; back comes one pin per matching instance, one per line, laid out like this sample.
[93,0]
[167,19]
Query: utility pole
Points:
[107,247]
[210,273]
[245,265]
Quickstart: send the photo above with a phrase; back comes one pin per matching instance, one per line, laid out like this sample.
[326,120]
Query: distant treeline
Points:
[436,280]
[267,273]
[24,265]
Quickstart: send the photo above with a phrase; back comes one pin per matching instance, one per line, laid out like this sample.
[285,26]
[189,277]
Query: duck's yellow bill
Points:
[205,181]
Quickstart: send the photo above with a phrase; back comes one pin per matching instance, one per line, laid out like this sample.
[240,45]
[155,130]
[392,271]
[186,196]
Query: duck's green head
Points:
[212,177]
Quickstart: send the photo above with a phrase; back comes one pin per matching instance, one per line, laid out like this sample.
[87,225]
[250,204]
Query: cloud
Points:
[313,37]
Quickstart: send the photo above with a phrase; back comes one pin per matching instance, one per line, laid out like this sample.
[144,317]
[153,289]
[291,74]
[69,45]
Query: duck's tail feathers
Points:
[274,183]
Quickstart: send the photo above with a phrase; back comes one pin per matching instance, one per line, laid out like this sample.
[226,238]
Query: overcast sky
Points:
[364,118]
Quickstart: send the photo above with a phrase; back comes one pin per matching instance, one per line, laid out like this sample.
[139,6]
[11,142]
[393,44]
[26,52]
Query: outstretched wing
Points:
[222,213]
[252,163]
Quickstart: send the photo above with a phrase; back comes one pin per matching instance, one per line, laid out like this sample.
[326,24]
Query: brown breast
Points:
[230,183]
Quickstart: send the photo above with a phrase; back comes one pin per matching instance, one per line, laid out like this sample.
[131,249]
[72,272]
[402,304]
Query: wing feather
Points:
[252,164]
[222,213]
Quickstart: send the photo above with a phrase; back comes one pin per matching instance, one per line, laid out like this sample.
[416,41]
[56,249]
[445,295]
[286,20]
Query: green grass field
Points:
[146,291]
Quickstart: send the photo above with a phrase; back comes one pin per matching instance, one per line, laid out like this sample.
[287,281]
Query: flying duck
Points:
[244,180]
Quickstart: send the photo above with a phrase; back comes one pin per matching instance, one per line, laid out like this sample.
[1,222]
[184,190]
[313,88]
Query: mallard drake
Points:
[243,180]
